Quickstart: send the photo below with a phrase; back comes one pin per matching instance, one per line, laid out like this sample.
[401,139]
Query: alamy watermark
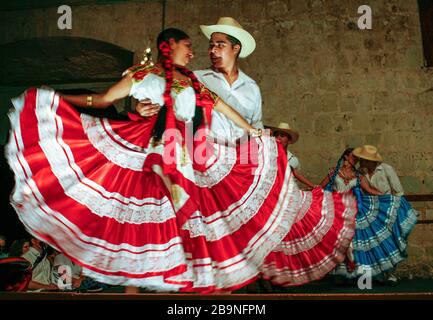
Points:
[365,21]
[65,20]
[64,281]
[365,281]
[199,148]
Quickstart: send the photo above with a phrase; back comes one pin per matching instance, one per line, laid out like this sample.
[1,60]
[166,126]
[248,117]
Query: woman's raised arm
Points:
[102,100]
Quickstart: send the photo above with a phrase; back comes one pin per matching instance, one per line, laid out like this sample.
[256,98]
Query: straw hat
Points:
[231,27]
[284,127]
[367,152]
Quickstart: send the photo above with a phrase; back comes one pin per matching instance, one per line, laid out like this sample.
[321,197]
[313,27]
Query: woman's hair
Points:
[167,34]
[234,41]
[16,249]
[337,168]
[164,56]
[346,153]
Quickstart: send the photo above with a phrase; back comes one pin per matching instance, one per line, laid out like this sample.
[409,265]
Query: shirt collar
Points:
[242,77]
[379,167]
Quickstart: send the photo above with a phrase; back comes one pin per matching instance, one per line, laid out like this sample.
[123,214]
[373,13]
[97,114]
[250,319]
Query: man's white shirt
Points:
[42,272]
[243,96]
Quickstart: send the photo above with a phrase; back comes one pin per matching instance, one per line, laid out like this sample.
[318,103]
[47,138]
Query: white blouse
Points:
[340,186]
[152,87]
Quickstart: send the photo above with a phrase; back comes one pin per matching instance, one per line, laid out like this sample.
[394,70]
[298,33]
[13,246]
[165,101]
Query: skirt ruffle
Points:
[383,225]
[94,189]
[317,242]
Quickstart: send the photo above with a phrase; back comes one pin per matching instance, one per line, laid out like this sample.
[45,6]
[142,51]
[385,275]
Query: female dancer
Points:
[135,204]
[383,221]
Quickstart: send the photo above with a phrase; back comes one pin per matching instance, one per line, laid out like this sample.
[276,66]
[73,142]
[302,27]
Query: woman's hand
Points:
[255,132]
[145,108]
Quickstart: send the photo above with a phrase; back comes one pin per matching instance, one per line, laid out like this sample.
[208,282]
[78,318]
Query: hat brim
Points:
[292,133]
[246,39]
[358,153]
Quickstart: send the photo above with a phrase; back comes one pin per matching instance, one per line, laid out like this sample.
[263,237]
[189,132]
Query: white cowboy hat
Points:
[284,127]
[367,152]
[231,27]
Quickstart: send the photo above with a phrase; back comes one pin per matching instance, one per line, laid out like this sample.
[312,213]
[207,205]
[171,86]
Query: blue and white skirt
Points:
[383,224]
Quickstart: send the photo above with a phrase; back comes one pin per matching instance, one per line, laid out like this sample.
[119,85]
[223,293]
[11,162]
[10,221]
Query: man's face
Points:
[26,247]
[37,244]
[367,164]
[221,51]
[352,159]
[283,137]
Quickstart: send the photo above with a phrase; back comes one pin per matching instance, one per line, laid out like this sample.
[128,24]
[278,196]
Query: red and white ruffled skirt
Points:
[94,189]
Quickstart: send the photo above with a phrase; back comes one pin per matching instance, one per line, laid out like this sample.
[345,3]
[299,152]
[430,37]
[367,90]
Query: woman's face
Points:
[182,51]
[26,247]
[352,159]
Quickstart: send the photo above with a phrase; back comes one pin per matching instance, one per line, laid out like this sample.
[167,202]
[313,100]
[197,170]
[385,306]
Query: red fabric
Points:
[315,245]
[106,240]
[15,274]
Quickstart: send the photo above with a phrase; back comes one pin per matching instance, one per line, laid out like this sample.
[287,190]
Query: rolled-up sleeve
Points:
[394,181]
[293,161]
[256,120]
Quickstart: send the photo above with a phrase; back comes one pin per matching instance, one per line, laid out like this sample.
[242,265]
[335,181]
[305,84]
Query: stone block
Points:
[348,103]
[354,140]
[302,123]
[395,141]
[428,184]
[419,236]
[277,9]
[381,101]
[411,184]
[323,124]
[413,57]
[374,139]
[429,251]
[416,252]
[429,215]
[330,102]
[378,122]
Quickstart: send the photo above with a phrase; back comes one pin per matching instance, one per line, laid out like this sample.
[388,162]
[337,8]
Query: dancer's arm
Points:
[233,115]
[365,185]
[116,92]
[301,178]
[325,180]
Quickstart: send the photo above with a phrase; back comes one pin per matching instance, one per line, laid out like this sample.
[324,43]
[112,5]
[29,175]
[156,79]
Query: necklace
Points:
[346,177]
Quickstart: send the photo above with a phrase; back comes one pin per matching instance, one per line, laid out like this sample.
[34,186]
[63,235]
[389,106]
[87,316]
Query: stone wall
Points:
[337,85]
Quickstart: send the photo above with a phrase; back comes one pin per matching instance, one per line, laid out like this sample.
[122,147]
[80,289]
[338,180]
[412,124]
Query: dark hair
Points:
[167,34]
[164,55]
[234,41]
[346,153]
[337,168]
[16,249]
